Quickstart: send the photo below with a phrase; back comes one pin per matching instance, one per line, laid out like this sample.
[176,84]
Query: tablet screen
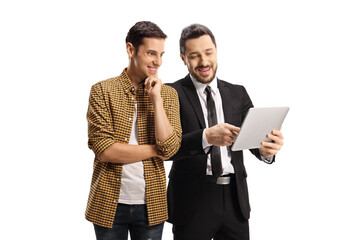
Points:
[257,124]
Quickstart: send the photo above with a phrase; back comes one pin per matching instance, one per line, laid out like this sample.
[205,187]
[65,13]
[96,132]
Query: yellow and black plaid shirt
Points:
[110,118]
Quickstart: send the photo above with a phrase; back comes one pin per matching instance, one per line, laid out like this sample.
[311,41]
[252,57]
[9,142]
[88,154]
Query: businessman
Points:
[207,191]
[133,124]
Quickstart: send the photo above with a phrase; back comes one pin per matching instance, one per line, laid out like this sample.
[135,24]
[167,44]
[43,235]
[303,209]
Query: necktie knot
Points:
[208,90]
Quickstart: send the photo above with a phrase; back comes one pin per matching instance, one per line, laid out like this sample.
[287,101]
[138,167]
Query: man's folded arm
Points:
[168,117]
[127,153]
[101,134]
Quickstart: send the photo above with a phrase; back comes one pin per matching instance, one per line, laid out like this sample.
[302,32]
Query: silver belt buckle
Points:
[223,180]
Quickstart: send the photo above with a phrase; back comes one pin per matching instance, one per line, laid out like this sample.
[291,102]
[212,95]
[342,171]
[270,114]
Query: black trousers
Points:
[217,217]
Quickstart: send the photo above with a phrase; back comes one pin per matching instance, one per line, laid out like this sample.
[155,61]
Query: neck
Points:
[135,79]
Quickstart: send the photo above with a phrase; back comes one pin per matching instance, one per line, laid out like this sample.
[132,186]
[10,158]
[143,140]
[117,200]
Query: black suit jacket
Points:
[189,164]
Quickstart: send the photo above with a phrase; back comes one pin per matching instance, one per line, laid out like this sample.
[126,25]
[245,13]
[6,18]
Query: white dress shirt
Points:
[224,151]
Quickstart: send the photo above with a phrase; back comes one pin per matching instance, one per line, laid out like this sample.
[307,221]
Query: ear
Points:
[130,49]
[183,58]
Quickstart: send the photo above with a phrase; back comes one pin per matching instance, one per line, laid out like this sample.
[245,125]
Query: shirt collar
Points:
[200,87]
[127,83]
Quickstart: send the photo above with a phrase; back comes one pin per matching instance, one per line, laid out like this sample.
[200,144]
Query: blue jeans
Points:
[132,218]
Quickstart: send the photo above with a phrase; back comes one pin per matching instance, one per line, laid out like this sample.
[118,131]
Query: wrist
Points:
[205,142]
[207,136]
[157,102]
[264,153]
[153,152]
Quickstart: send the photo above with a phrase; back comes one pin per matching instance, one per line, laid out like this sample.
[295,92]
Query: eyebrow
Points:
[206,50]
[154,51]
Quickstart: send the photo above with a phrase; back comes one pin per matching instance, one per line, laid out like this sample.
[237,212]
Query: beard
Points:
[202,79]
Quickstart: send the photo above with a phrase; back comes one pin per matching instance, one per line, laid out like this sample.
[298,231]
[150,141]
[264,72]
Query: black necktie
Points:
[212,120]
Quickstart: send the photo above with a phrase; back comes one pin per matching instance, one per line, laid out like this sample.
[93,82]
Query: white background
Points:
[303,54]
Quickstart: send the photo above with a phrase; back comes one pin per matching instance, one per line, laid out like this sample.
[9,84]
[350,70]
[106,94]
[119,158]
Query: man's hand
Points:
[222,134]
[152,86]
[272,148]
[158,154]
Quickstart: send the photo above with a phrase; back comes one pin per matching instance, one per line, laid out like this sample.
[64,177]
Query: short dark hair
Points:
[194,31]
[141,30]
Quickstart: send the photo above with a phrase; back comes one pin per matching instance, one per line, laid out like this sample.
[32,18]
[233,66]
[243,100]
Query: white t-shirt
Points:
[132,189]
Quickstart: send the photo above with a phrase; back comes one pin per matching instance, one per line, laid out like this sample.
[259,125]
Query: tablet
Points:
[257,124]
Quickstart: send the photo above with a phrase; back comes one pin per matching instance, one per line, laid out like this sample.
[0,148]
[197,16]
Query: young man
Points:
[207,192]
[134,124]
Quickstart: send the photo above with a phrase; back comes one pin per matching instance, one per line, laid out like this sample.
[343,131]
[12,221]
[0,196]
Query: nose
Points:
[158,60]
[203,60]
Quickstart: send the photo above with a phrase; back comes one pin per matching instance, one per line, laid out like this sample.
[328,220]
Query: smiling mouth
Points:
[152,69]
[203,70]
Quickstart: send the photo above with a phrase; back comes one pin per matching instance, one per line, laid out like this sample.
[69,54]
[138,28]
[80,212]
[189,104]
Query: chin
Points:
[206,80]
[150,74]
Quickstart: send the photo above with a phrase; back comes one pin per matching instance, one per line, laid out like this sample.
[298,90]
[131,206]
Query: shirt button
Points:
[115,201]
[129,119]
[132,98]
[118,179]
[126,139]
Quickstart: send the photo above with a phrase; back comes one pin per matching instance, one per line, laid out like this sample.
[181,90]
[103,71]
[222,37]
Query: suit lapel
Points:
[226,101]
[227,108]
[191,93]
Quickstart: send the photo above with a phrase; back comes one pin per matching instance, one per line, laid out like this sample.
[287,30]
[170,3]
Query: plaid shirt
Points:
[110,118]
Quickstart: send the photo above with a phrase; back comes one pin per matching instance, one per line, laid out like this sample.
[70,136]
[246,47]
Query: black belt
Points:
[222,180]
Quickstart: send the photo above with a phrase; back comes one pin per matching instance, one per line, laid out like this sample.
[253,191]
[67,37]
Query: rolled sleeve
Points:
[171,144]
[100,131]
